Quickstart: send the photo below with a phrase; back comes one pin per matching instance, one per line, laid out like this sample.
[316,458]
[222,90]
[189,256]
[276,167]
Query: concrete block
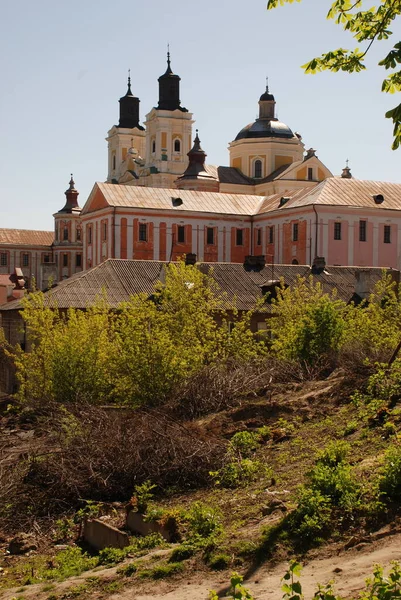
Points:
[99,535]
[137,524]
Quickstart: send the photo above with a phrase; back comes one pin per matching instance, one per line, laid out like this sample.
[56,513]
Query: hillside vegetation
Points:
[250,450]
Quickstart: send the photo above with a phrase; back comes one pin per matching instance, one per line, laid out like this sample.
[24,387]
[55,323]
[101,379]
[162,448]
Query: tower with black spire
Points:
[128,134]
[196,177]
[68,242]
[169,90]
[168,134]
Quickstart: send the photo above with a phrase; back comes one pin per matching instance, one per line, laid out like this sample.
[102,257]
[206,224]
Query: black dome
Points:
[267,96]
[265,128]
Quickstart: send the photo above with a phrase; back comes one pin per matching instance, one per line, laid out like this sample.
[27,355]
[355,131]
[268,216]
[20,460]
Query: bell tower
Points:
[127,134]
[168,134]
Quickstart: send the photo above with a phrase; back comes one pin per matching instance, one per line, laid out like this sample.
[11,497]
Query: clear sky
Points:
[64,66]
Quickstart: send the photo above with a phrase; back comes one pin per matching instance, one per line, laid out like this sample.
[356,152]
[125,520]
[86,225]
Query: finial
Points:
[129,82]
[346,174]
[267,84]
[168,55]
[72,183]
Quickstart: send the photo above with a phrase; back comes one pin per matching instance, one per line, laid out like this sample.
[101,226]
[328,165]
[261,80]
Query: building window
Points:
[271,235]
[310,174]
[210,236]
[258,237]
[114,162]
[177,146]
[387,234]
[362,231]
[78,234]
[294,261]
[3,259]
[295,232]
[65,260]
[153,147]
[257,169]
[104,232]
[65,234]
[239,237]
[78,260]
[56,230]
[90,234]
[143,232]
[181,234]
[46,258]
[25,260]
[337,231]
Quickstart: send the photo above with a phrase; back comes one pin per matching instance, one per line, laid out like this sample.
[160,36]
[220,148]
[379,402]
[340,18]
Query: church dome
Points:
[266,96]
[265,128]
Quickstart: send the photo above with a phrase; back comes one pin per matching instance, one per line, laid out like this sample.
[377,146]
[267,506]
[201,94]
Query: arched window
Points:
[114,162]
[177,146]
[257,169]
[153,147]
[294,261]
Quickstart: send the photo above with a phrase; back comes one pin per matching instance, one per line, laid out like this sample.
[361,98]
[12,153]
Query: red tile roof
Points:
[26,237]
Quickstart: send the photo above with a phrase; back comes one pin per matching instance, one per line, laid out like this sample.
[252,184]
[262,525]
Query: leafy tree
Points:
[367,24]
[136,354]
[308,324]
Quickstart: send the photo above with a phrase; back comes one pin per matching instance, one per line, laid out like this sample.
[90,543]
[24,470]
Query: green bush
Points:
[161,571]
[220,561]
[310,521]
[204,520]
[183,552]
[390,480]
[244,443]
[112,556]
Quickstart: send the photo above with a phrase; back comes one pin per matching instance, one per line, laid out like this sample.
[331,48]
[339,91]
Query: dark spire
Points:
[129,108]
[169,89]
[197,158]
[346,174]
[71,194]
[267,104]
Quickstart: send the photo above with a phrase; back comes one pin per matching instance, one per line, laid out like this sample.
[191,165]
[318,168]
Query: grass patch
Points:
[161,571]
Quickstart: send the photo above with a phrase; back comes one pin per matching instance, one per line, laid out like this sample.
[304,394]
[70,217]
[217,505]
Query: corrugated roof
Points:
[333,191]
[162,199]
[26,237]
[120,279]
[336,191]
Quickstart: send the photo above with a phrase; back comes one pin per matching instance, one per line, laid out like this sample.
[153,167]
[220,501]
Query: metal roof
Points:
[162,199]
[120,279]
[26,237]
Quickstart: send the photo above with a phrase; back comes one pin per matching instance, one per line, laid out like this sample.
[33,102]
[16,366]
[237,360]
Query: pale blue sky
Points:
[64,66]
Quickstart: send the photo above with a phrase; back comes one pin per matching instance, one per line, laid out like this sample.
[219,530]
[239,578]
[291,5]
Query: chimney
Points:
[319,265]
[190,258]
[255,263]
[362,288]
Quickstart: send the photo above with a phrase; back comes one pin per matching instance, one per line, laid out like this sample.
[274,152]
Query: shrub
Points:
[310,521]
[183,552]
[112,556]
[390,480]
[219,561]
[161,571]
[244,443]
[203,520]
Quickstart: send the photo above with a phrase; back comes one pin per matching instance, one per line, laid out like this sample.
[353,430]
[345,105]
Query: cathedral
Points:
[162,200]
